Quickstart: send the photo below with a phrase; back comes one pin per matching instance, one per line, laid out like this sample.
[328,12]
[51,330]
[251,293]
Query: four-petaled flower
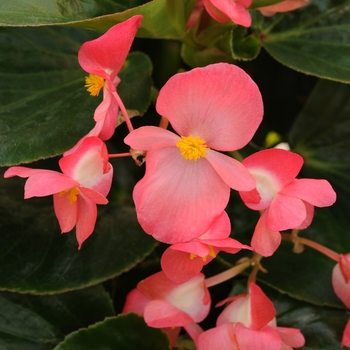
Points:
[187,183]
[85,181]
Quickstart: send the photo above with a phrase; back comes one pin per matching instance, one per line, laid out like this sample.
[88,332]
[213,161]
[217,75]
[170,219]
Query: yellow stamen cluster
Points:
[204,258]
[192,148]
[72,196]
[94,83]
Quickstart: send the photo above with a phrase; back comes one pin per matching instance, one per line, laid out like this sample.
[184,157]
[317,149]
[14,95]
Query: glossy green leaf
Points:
[313,40]
[36,258]
[34,322]
[123,332]
[42,94]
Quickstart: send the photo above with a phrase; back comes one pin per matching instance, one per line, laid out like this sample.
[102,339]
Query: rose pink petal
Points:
[177,200]
[346,335]
[310,209]
[135,302]
[66,213]
[291,337]
[340,286]
[220,103]
[105,55]
[218,338]
[316,192]
[231,171]
[265,241]
[93,196]
[283,6]
[150,138]
[285,213]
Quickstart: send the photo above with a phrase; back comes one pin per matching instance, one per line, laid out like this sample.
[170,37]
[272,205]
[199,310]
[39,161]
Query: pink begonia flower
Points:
[283,6]
[187,183]
[229,10]
[286,202]
[168,305]
[182,261]
[248,323]
[341,286]
[84,182]
[103,58]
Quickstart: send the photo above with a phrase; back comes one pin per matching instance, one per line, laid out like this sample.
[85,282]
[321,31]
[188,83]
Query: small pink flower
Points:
[187,183]
[164,303]
[248,323]
[283,6]
[229,10]
[341,286]
[103,58]
[182,261]
[286,202]
[84,182]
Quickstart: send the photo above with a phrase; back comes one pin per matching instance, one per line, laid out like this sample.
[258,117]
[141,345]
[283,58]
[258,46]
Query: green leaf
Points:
[36,258]
[123,332]
[42,94]
[243,46]
[40,322]
[313,40]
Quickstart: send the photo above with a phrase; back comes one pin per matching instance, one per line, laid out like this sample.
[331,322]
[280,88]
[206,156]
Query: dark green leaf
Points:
[244,47]
[40,322]
[124,332]
[313,40]
[36,258]
[42,94]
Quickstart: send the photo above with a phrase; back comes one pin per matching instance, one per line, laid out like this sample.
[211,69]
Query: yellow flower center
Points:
[72,196]
[204,258]
[94,83]
[192,148]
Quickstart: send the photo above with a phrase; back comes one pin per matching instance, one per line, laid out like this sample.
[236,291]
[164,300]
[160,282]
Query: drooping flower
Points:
[249,323]
[84,182]
[229,10]
[341,286]
[103,58]
[182,261]
[283,6]
[286,202]
[187,183]
[168,305]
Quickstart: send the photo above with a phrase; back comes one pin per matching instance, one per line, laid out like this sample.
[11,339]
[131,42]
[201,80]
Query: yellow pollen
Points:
[192,148]
[94,83]
[72,196]
[192,256]
[212,253]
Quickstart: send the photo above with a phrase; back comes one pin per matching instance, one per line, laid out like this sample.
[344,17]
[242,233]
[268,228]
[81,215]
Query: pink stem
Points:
[119,155]
[125,113]
[194,331]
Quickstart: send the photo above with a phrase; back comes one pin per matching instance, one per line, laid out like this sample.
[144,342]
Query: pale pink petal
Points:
[234,10]
[220,103]
[93,196]
[254,201]
[285,213]
[221,228]
[66,212]
[135,302]
[218,338]
[340,286]
[177,200]
[283,6]
[281,165]
[262,309]
[232,172]
[86,218]
[316,192]
[266,338]
[160,314]
[105,55]
[265,241]
[179,267]
[237,311]
[291,337]
[196,247]
[151,137]
[310,210]
[346,335]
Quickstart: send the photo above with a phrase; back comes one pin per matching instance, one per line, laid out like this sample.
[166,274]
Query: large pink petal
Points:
[218,338]
[179,267]
[265,241]
[224,10]
[285,213]
[66,212]
[220,103]
[340,286]
[221,228]
[291,337]
[196,247]
[86,218]
[231,171]
[93,196]
[281,165]
[316,192]
[310,210]
[178,199]
[105,55]
[135,302]
[150,138]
